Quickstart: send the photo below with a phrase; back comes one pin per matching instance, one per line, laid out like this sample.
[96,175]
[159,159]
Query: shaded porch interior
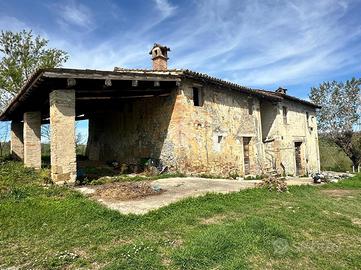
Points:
[128,117]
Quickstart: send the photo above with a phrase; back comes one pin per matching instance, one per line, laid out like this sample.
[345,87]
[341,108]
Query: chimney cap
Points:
[164,49]
[281,90]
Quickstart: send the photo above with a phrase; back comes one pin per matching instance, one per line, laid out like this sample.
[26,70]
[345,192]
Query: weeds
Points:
[56,227]
[274,184]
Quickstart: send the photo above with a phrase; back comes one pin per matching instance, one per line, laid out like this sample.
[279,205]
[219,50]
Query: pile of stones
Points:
[330,177]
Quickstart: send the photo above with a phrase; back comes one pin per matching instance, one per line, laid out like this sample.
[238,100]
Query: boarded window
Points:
[284,113]
[250,106]
[246,154]
[197,99]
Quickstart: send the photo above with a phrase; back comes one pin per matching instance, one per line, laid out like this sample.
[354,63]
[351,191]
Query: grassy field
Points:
[57,228]
[332,157]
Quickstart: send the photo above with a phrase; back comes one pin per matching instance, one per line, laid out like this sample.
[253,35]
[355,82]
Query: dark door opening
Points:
[247,166]
[298,158]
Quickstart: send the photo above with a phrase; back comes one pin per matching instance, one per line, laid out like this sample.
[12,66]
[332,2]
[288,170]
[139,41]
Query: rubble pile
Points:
[126,191]
[330,177]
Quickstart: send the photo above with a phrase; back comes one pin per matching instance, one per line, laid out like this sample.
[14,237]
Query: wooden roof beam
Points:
[114,76]
[119,97]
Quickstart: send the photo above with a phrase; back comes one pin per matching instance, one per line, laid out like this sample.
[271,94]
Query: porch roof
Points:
[94,88]
[101,88]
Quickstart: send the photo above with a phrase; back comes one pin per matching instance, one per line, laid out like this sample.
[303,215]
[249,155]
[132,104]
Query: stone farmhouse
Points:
[188,121]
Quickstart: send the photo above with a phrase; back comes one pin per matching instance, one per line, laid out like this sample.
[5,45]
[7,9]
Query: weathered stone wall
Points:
[280,138]
[17,140]
[270,135]
[194,140]
[140,129]
[208,138]
[32,145]
[62,136]
[211,135]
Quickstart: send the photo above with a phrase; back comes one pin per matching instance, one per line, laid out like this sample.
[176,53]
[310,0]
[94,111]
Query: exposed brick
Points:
[160,63]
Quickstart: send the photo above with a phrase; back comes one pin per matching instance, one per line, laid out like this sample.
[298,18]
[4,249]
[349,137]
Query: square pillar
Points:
[32,144]
[17,140]
[62,136]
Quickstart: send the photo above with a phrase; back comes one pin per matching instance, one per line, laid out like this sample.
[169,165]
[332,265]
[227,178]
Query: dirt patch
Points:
[340,193]
[126,191]
[356,221]
[217,219]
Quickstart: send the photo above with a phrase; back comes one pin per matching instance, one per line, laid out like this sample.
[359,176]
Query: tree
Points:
[22,54]
[4,139]
[340,114]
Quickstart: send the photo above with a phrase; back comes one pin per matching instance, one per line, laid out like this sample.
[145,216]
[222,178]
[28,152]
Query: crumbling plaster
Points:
[280,137]
[206,139]
[183,136]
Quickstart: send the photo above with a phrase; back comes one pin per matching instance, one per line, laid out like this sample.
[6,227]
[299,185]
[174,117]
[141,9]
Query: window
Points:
[307,119]
[196,97]
[218,139]
[250,106]
[284,113]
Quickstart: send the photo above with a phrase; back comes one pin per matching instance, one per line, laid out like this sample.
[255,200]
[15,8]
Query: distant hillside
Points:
[332,157]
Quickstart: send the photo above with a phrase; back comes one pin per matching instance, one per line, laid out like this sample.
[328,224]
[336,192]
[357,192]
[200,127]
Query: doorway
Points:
[298,158]
[247,165]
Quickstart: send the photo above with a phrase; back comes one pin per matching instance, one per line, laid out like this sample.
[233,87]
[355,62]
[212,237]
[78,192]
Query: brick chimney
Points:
[159,56]
[281,90]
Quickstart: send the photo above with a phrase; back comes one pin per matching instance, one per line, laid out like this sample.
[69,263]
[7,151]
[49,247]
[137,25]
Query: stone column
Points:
[32,144]
[62,136]
[17,140]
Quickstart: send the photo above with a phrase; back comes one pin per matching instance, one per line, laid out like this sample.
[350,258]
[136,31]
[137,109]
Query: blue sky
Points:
[264,44]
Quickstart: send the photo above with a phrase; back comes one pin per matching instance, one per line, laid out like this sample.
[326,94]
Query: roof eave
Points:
[28,84]
[304,102]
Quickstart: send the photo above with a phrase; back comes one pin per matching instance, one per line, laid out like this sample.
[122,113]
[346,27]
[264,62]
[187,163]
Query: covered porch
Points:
[62,96]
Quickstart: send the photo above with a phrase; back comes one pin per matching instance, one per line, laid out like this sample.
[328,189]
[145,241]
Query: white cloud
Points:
[166,8]
[9,23]
[75,14]
[255,43]
[252,42]
[259,43]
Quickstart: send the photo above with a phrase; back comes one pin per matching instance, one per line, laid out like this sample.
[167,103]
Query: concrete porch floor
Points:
[177,189]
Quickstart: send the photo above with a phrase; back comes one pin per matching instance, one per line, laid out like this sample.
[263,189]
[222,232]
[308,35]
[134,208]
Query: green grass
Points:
[57,228]
[4,150]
